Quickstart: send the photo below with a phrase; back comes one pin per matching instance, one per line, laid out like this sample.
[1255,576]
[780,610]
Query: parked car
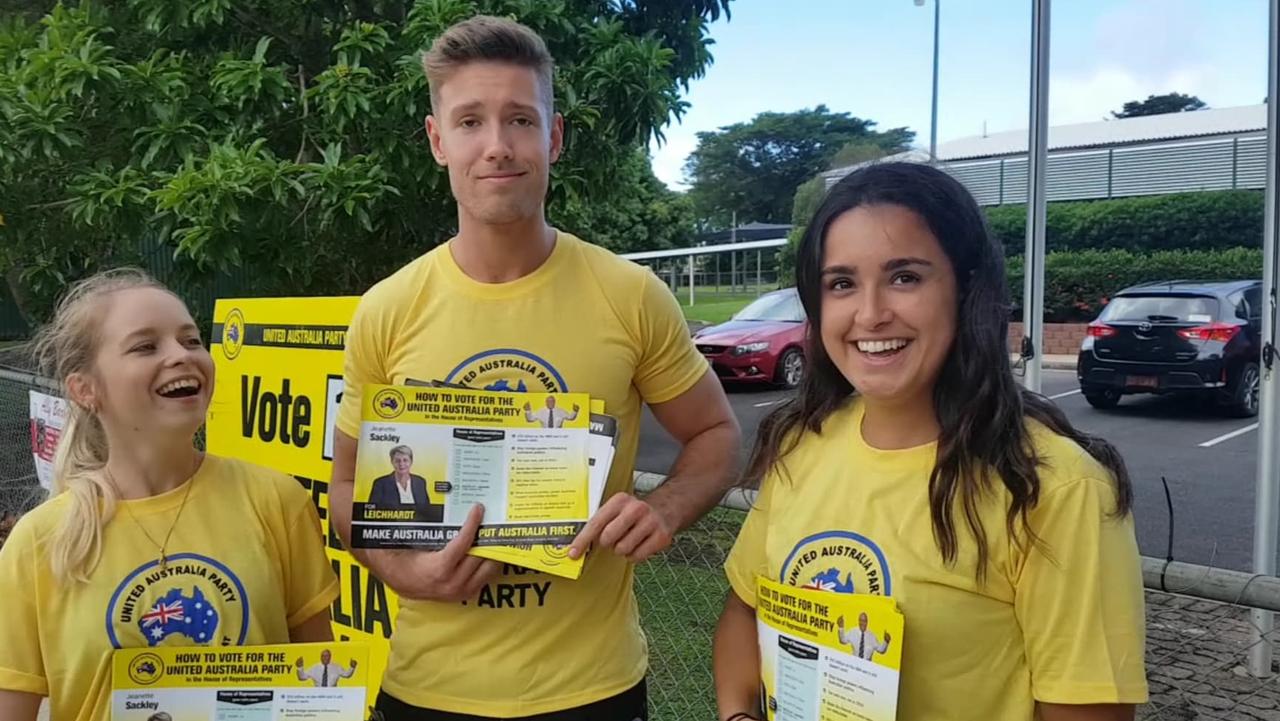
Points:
[763,342]
[1176,336]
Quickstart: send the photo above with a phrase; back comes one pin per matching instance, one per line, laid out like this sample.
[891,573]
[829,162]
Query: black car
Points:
[1176,336]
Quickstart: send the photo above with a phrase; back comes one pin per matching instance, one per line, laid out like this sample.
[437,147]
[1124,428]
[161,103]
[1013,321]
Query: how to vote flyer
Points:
[312,681]
[554,558]
[427,455]
[828,656]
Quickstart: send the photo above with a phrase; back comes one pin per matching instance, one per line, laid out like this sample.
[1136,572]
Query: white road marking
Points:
[1228,436]
[769,403]
[1064,395]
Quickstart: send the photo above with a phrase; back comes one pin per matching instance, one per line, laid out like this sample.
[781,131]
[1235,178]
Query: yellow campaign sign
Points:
[279,383]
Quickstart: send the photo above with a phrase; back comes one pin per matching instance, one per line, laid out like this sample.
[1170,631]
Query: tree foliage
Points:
[284,139]
[754,168]
[1161,104]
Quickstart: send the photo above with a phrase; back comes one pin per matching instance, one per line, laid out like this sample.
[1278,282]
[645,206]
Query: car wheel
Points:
[1103,398]
[1243,401]
[790,368]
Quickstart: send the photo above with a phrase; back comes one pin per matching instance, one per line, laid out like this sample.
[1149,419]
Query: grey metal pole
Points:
[692,258]
[1037,156]
[758,262]
[933,122]
[733,257]
[1267,494]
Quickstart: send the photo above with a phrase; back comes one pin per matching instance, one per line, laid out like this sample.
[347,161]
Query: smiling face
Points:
[325,657]
[494,130]
[151,374]
[889,303]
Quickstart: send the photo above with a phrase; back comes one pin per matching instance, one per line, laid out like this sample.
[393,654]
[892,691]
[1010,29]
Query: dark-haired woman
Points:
[912,465]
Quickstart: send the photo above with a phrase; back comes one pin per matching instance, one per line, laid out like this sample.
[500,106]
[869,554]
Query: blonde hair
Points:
[66,345]
[485,38]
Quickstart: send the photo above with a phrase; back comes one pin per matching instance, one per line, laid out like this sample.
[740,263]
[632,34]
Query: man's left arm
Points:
[701,420]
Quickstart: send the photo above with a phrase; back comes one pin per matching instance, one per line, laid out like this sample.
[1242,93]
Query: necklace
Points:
[164,559]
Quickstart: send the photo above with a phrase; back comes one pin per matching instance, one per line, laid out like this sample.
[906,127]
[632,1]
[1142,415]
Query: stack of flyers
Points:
[428,452]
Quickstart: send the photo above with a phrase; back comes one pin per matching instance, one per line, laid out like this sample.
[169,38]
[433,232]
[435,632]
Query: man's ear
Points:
[557,136]
[433,135]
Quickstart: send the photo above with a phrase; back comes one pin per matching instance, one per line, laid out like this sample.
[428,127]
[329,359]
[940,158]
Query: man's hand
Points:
[354,663]
[527,407]
[575,408]
[887,637]
[628,526]
[840,622]
[448,574]
[299,662]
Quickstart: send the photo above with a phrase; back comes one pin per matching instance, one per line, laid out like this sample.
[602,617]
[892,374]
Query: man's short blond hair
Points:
[485,38]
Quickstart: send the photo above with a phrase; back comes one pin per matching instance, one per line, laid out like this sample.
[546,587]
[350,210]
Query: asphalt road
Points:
[1209,461]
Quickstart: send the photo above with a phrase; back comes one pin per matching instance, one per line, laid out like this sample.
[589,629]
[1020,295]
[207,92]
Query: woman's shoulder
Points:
[40,521]
[1063,461]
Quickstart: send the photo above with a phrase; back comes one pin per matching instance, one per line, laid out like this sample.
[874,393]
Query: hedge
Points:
[1209,220]
[1078,284]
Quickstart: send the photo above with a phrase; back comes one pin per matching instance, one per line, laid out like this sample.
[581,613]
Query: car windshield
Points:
[776,307]
[1161,309]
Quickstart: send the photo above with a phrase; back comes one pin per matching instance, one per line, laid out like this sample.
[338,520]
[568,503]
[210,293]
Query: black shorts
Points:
[630,705]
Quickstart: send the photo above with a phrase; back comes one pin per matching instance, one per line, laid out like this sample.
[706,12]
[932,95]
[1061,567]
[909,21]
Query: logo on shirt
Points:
[233,334]
[388,403]
[508,369]
[837,561]
[194,601]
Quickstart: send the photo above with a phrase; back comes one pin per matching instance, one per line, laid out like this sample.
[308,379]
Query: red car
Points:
[763,343]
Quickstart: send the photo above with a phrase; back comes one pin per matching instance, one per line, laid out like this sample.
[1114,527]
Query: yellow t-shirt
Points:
[1063,628]
[246,564]
[584,321]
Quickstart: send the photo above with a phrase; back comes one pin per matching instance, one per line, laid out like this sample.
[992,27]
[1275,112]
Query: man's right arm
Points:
[445,575]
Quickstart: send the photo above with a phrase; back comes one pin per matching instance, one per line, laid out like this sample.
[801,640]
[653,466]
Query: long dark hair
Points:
[981,409]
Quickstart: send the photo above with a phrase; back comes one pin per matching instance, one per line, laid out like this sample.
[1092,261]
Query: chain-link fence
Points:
[19,489]
[1197,649]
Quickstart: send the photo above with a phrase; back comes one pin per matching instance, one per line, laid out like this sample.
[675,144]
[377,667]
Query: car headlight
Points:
[751,348]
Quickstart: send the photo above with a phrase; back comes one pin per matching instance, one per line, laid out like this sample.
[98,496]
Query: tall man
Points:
[511,301]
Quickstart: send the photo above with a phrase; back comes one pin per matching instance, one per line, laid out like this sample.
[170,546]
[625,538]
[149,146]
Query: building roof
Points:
[1119,131]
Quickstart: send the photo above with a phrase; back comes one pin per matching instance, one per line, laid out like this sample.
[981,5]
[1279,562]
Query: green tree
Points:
[284,141]
[1161,104]
[649,216]
[754,168]
[855,153]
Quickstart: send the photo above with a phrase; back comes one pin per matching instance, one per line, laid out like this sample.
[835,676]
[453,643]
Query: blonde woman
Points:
[147,541]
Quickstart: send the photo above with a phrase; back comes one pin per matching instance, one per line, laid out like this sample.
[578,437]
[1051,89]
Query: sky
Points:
[873,59]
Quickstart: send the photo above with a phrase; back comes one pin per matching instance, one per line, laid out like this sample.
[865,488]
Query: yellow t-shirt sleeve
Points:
[747,559]
[669,362]
[21,661]
[1079,599]
[362,362]
[309,581]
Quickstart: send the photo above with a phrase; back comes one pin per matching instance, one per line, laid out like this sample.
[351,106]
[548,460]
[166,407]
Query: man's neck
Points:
[502,253]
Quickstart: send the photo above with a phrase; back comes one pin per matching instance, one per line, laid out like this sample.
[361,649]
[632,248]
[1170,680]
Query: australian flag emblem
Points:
[829,580]
[191,616]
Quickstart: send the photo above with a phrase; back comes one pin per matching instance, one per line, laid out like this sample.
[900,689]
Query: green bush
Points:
[1213,220]
[1079,284]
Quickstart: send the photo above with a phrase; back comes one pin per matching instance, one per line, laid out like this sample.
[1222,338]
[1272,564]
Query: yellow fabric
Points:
[246,563]
[1065,626]
[585,321]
